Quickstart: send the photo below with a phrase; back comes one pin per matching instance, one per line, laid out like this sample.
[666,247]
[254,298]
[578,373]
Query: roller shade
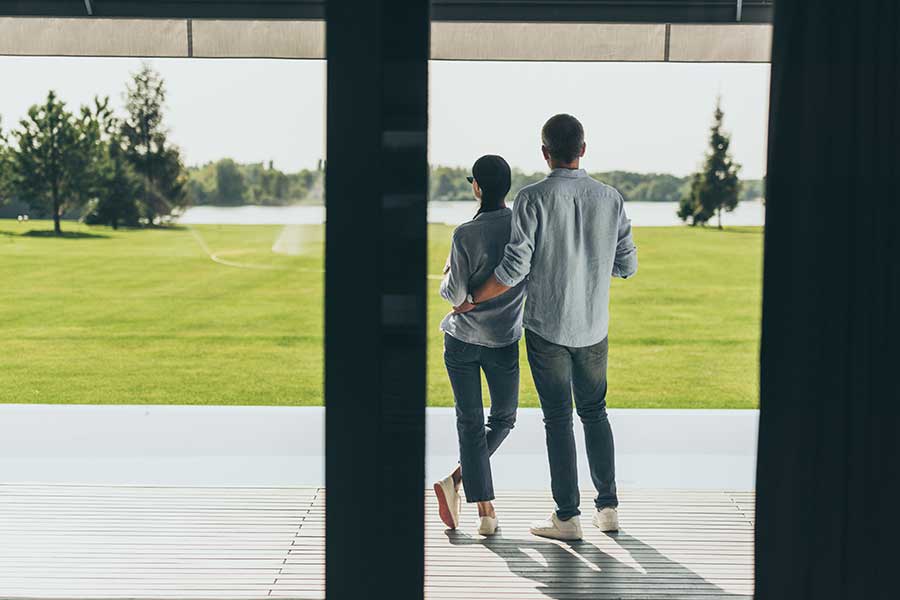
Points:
[305,39]
[183,38]
[600,42]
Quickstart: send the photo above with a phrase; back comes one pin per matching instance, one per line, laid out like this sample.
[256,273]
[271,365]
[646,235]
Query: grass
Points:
[146,317]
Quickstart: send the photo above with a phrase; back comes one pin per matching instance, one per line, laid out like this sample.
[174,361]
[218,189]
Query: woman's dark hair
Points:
[491,200]
[563,136]
[494,177]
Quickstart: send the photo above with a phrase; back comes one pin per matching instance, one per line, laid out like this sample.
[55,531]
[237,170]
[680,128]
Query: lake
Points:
[642,214]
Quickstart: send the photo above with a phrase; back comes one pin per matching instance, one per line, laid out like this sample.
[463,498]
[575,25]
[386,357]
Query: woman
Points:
[485,338]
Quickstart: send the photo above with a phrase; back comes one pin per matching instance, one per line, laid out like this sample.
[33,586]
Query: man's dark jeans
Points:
[560,371]
[476,442]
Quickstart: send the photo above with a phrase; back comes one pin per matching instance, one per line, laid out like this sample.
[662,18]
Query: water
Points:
[642,214]
[253,215]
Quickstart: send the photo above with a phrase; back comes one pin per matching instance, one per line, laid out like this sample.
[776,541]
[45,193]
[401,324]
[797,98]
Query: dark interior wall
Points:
[827,466]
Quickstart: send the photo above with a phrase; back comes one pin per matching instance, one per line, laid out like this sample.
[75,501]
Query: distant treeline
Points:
[449,184]
[228,183]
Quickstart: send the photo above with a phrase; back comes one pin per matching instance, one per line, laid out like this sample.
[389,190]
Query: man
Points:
[569,236]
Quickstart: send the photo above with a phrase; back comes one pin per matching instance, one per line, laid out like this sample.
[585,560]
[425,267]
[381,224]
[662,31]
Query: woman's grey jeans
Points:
[478,442]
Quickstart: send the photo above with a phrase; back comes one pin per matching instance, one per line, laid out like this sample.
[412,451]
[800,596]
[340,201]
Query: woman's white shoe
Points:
[448,501]
[487,525]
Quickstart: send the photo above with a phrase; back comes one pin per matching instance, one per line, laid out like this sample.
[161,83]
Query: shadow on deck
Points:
[581,570]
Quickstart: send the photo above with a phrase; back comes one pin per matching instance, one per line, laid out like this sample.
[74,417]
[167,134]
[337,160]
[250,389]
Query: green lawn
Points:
[146,316]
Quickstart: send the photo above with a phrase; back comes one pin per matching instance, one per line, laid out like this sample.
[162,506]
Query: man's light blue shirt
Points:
[569,236]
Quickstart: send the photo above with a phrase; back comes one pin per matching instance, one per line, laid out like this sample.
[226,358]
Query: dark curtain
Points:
[375,266]
[828,462]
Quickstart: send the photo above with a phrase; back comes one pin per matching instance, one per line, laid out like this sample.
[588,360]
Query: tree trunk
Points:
[56,228]
[720,217]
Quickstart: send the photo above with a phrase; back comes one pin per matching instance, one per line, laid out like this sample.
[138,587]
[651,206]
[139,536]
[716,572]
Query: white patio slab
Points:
[283,446]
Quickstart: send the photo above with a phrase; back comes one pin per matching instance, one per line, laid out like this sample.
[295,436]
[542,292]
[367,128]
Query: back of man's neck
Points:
[571,166]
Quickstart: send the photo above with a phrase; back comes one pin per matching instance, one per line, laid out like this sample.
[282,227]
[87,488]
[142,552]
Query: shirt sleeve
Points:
[516,262]
[625,264]
[454,286]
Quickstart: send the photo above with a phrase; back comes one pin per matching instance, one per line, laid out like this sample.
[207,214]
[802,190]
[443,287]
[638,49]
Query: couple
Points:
[565,237]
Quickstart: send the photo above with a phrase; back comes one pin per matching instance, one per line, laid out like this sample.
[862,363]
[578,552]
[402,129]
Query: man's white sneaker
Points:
[557,529]
[448,501]
[606,519]
[487,525]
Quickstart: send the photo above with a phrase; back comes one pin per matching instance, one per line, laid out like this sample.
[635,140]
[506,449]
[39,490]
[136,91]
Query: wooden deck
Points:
[61,541]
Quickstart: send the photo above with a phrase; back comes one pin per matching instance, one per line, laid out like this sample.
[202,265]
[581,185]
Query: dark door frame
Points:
[605,11]
[828,449]
[376,182]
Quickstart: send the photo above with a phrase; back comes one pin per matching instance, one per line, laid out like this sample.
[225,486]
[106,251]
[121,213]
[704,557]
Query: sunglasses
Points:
[470,179]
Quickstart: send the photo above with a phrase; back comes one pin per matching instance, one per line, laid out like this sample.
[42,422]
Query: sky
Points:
[648,117]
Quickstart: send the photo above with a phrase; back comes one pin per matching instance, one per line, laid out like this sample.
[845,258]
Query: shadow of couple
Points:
[576,570]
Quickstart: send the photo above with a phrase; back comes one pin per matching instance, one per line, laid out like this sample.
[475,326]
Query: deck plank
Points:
[82,541]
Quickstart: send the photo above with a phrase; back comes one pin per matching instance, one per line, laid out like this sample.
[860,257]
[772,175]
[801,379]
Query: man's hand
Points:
[489,290]
[463,308]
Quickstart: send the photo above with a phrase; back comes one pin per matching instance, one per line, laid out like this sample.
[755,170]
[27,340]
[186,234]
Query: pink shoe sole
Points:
[444,507]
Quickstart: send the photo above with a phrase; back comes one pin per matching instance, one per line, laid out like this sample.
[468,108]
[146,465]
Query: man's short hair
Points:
[563,136]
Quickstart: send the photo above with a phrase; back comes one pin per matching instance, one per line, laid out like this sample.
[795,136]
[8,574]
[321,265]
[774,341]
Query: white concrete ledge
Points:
[252,446]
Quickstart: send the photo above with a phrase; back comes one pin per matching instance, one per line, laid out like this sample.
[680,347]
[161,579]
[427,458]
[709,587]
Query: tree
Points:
[753,189]
[5,167]
[446,185]
[114,184]
[716,187]
[53,158]
[230,186]
[157,163]
[690,207]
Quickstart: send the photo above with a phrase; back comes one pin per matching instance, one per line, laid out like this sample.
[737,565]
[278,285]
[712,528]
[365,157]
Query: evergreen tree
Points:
[690,207]
[716,187]
[158,163]
[53,157]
